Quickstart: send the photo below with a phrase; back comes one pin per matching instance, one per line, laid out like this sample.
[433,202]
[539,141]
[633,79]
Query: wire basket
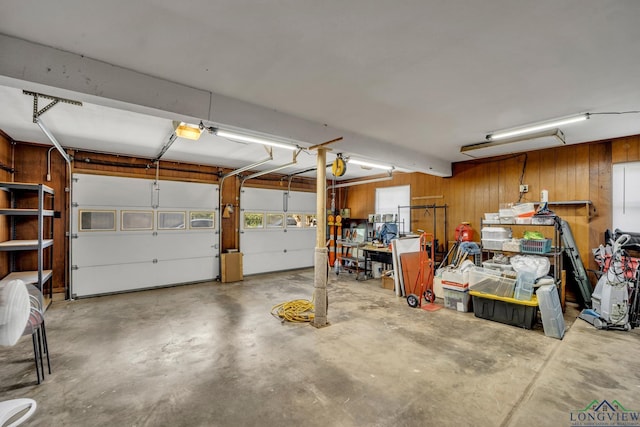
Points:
[535,246]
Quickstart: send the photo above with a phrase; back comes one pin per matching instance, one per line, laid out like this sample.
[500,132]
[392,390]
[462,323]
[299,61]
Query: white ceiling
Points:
[427,76]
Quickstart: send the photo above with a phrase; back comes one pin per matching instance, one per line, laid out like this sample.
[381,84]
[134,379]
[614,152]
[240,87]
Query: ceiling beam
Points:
[40,68]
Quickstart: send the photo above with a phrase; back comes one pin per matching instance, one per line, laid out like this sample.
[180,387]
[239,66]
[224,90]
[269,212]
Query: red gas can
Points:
[464,232]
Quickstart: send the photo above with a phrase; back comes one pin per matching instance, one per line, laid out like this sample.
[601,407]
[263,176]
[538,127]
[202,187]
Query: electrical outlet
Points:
[524,188]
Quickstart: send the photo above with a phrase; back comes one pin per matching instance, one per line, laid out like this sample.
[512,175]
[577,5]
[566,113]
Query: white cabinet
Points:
[24,236]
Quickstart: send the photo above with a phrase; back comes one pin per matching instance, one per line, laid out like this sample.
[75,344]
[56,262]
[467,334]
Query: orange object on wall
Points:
[332,247]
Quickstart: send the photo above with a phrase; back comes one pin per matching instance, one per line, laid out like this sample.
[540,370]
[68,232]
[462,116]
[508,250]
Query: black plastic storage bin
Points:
[505,310]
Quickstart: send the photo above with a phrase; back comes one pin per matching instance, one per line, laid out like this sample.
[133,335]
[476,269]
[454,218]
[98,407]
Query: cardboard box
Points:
[388,283]
[231,267]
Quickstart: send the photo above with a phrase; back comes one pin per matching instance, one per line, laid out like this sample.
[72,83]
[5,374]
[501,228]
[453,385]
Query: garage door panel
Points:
[301,201]
[89,281]
[99,280]
[265,241]
[194,196]
[186,270]
[112,249]
[99,190]
[261,242]
[254,263]
[262,200]
[102,250]
[299,239]
[262,262]
[185,245]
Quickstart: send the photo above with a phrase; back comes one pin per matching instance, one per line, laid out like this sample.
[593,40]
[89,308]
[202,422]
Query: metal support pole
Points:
[321,253]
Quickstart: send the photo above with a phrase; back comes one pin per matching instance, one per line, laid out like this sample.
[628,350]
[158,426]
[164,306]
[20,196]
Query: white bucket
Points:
[376,269]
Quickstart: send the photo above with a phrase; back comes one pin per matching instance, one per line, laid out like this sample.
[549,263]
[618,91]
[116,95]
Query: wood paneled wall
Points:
[571,173]
[31,166]
[6,157]
[575,172]
[626,149]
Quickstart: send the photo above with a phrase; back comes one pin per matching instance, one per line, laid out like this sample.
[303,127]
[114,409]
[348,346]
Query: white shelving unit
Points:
[44,194]
[555,254]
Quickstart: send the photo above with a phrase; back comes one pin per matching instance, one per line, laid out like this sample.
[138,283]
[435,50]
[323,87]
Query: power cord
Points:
[524,168]
[297,311]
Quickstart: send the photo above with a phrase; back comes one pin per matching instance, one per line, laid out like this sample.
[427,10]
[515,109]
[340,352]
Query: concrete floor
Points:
[211,355]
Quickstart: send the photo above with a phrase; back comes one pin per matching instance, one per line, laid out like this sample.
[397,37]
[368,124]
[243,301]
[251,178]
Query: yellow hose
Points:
[298,310]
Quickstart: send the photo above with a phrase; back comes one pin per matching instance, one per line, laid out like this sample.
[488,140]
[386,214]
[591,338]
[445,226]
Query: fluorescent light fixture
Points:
[369,165]
[255,140]
[366,181]
[537,127]
[534,141]
[188,130]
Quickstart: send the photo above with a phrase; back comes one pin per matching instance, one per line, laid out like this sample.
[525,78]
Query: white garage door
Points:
[132,234]
[277,230]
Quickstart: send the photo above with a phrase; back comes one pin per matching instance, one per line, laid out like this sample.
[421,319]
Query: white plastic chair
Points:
[22,313]
[11,408]
[15,309]
[36,328]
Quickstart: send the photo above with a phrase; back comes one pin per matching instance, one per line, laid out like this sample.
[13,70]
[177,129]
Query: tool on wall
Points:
[338,223]
[331,243]
[227,211]
[339,166]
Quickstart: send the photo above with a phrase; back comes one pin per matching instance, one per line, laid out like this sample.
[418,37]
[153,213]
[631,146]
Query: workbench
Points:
[374,253]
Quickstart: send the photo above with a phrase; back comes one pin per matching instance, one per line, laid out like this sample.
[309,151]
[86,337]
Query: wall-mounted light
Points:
[370,165]
[187,130]
[537,127]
